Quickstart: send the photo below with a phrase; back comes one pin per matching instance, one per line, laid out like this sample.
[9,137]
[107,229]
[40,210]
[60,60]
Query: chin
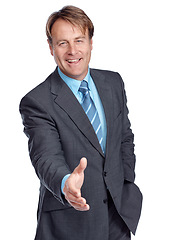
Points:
[76,75]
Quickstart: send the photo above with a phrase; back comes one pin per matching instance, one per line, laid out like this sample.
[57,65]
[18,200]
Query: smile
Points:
[73,60]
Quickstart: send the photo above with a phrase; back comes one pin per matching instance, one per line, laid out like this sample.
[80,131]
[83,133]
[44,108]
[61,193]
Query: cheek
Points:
[88,54]
[58,56]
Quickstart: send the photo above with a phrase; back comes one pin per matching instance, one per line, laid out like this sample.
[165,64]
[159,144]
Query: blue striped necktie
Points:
[91,111]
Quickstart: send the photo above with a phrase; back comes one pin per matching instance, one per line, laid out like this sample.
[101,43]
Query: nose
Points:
[72,49]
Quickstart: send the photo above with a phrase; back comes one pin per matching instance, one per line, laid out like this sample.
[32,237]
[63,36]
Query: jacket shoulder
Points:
[40,88]
[111,76]
[38,95]
[106,73]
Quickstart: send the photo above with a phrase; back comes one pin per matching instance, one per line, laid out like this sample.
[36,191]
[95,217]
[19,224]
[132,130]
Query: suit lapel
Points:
[68,102]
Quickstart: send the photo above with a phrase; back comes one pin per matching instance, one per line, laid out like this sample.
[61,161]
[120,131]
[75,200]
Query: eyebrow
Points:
[80,37]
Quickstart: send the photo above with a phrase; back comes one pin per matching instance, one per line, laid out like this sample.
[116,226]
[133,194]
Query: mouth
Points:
[73,61]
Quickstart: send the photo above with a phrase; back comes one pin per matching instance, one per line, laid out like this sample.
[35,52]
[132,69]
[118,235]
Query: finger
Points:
[77,203]
[84,208]
[82,166]
[71,198]
[79,207]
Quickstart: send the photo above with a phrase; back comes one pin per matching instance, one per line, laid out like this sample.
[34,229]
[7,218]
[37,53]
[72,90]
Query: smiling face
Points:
[71,49]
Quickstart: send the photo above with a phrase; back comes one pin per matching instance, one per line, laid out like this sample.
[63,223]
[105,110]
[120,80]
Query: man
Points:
[80,141]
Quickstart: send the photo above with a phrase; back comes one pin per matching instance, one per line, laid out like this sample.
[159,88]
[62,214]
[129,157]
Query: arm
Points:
[45,148]
[47,156]
[127,144]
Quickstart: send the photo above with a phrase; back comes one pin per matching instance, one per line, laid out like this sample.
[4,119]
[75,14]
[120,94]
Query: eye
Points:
[62,44]
[79,40]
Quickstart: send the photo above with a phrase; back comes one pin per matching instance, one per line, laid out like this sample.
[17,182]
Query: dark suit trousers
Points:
[118,230]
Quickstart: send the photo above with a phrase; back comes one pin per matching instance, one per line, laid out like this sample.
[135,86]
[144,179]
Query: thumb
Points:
[82,166]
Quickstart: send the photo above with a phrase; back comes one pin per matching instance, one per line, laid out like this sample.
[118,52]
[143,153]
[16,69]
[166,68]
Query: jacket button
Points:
[105,174]
[105,201]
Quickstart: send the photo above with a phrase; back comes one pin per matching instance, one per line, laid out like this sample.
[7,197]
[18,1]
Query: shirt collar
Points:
[74,84]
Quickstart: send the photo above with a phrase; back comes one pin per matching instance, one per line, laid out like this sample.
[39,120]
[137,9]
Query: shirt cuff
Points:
[63,181]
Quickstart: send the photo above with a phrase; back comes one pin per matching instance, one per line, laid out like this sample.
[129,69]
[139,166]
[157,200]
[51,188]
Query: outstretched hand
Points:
[72,188]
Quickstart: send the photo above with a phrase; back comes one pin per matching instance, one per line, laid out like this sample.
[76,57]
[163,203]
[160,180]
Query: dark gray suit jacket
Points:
[60,134]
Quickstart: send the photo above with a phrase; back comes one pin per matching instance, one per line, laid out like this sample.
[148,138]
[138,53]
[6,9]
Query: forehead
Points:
[66,29]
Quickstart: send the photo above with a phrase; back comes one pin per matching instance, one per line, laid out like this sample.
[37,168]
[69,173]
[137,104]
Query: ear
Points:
[50,47]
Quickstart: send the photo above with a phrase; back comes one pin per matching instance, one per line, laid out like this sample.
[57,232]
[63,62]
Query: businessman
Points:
[80,141]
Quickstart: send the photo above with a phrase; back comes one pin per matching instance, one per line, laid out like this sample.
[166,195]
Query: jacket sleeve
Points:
[45,147]
[127,143]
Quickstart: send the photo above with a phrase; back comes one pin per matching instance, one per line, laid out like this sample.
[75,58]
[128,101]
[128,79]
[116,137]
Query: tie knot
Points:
[84,87]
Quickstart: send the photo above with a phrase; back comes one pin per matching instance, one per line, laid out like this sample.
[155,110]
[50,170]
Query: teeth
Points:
[73,60]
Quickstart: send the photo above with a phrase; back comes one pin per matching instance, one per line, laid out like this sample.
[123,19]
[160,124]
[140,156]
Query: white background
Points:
[131,37]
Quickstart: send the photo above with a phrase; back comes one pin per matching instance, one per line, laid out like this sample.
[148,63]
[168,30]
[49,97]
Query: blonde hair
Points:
[73,15]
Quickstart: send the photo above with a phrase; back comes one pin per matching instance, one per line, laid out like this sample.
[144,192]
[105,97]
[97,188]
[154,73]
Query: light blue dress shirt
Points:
[74,85]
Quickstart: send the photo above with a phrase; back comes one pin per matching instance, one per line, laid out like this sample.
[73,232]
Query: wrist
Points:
[63,182]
